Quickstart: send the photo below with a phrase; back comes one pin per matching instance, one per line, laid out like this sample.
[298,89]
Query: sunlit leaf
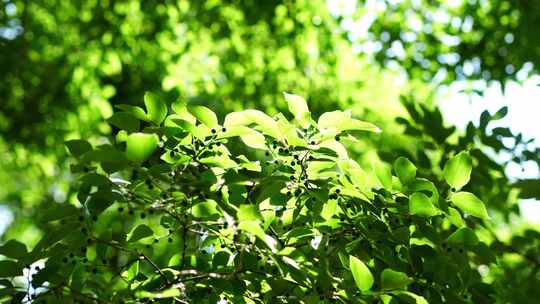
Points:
[167,293]
[140,146]
[361,274]
[263,122]
[468,202]
[299,108]
[155,107]
[140,232]
[457,170]
[420,204]
[464,236]
[391,279]
[133,271]
[204,115]
[405,170]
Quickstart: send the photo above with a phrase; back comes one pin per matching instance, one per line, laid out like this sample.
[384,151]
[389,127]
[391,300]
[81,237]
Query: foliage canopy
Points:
[172,211]
[189,176]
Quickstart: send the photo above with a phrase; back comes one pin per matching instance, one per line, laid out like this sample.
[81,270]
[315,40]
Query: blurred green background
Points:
[64,65]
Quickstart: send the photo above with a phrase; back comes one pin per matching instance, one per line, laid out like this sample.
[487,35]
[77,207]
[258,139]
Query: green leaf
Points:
[408,297]
[468,202]
[104,154]
[9,269]
[206,209]
[181,110]
[342,121]
[248,213]
[361,274]
[299,108]
[465,236]
[501,113]
[140,146]
[423,185]
[263,122]
[140,232]
[133,271]
[391,279]
[167,293]
[58,211]
[405,170]
[14,249]
[254,228]
[125,121]
[254,140]
[529,188]
[204,115]
[78,147]
[454,217]
[135,111]
[457,170]
[420,204]
[384,174]
[156,109]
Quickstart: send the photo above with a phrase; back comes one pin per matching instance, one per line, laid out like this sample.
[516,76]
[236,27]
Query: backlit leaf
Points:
[140,232]
[420,204]
[361,274]
[405,170]
[140,146]
[391,279]
[468,202]
[155,107]
[457,170]
[299,108]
